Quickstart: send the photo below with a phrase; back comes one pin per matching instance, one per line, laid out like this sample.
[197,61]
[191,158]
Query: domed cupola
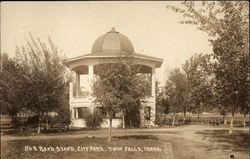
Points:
[108,48]
[112,42]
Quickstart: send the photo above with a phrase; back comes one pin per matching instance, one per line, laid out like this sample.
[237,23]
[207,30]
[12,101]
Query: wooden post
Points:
[70,90]
[173,122]
[123,119]
[39,125]
[91,78]
[110,127]
[231,124]
[78,85]
[153,82]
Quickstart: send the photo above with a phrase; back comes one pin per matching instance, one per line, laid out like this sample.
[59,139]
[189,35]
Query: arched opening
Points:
[145,73]
[81,81]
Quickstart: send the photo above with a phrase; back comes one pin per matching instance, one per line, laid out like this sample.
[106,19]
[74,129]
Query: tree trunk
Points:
[225,120]
[184,116]
[66,128]
[231,124]
[110,127]
[173,120]
[47,124]
[123,119]
[12,120]
[39,125]
[198,115]
[244,120]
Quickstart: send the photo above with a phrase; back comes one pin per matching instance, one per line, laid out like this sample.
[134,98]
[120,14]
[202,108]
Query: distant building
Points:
[108,48]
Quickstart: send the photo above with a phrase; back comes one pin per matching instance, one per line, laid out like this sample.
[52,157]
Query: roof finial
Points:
[113,30]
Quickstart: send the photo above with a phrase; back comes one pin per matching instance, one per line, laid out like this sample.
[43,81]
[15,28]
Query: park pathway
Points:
[181,142]
[187,132]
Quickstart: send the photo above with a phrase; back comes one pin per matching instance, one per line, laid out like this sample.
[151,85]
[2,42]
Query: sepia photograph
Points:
[124,80]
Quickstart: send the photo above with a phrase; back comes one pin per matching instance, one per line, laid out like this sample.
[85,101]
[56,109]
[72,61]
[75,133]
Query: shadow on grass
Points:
[238,141]
[27,131]
[136,137]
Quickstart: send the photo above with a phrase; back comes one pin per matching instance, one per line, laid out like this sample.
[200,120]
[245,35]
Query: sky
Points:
[74,26]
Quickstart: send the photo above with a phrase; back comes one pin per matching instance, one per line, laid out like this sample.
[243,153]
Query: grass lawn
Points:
[238,141]
[16,148]
[183,142]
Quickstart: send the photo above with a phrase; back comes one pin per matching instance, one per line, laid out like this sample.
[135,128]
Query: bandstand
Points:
[108,48]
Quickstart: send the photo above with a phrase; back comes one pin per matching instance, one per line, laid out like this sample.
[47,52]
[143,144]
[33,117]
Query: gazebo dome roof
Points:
[112,42]
[109,48]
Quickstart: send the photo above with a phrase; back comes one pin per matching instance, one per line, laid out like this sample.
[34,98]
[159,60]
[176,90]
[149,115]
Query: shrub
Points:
[158,121]
[16,122]
[32,120]
[132,116]
[94,120]
[63,117]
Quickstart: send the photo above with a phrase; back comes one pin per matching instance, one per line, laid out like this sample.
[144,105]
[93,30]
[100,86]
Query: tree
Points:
[176,90]
[6,65]
[11,86]
[162,105]
[223,112]
[64,113]
[119,89]
[200,83]
[227,22]
[94,119]
[46,79]
[231,69]
[244,110]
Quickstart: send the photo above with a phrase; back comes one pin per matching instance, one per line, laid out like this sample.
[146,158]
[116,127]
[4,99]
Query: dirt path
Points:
[181,142]
[187,132]
[190,145]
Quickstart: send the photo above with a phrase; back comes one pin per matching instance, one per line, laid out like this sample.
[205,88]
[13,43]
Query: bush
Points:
[132,116]
[63,117]
[32,120]
[158,121]
[16,122]
[94,120]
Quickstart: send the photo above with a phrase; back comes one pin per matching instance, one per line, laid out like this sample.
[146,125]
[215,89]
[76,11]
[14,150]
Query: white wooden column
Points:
[77,84]
[153,82]
[91,78]
[92,109]
[70,91]
[76,113]
[72,111]
[71,98]
[153,107]
[142,124]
